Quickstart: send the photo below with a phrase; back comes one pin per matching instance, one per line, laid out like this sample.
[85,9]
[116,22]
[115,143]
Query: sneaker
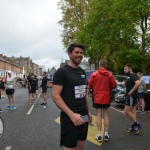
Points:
[139,126]
[106,138]
[135,130]
[138,111]
[13,108]
[129,130]
[43,103]
[34,104]
[99,138]
[142,112]
[1,110]
[8,107]
[3,96]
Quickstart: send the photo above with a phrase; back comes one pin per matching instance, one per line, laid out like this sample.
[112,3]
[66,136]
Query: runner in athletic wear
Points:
[37,88]
[102,82]
[69,94]
[10,90]
[3,87]
[131,84]
[33,83]
[28,85]
[141,93]
[44,88]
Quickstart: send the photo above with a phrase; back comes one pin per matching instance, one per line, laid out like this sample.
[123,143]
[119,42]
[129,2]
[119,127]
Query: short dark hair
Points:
[103,63]
[73,45]
[128,65]
[45,72]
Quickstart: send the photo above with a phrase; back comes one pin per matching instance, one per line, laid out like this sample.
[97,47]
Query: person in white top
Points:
[10,90]
[141,94]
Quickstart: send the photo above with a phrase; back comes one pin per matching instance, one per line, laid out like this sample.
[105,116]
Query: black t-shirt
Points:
[1,83]
[44,81]
[130,82]
[73,93]
[33,81]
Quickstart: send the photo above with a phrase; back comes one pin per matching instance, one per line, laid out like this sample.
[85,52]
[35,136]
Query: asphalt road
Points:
[36,129]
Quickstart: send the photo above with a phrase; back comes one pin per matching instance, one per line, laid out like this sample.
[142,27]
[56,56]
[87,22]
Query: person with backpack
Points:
[33,83]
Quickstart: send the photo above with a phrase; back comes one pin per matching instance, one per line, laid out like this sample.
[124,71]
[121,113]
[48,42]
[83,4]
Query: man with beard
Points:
[132,83]
[69,94]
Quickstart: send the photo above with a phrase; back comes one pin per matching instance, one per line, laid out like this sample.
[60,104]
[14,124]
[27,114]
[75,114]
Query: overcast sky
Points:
[29,28]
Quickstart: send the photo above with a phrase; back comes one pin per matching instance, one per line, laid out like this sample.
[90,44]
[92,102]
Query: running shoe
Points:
[43,103]
[34,104]
[135,130]
[8,107]
[129,130]
[99,138]
[106,138]
[138,111]
[139,126]
[142,112]
[3,96]
[13,108]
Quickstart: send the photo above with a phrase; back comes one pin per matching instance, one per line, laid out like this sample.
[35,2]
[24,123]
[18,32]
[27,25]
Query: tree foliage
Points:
[73,12]
[118,31]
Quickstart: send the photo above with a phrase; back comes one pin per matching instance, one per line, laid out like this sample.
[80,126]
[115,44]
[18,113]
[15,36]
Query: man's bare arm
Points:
[137,84]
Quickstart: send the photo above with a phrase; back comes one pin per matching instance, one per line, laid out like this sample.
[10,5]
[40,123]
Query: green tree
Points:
[73,12]
[137,16]
[112,28]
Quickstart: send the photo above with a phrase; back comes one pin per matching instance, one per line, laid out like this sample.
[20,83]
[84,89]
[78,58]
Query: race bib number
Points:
[80,91]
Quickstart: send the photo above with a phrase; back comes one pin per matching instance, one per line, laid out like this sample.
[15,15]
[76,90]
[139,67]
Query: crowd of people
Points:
[70,93]
[8,84]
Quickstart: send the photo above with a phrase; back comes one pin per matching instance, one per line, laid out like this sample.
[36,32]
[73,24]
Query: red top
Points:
[102,82]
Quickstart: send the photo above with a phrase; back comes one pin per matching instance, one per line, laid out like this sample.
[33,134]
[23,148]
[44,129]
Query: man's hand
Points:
[130,93]
[90,118]
[76,119]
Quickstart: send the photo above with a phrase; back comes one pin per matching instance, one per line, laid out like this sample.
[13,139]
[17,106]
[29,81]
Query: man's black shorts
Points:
[44,89]
[70,133]
[97,106]
[131,100]
[32,89]
[10,91]
[141,95]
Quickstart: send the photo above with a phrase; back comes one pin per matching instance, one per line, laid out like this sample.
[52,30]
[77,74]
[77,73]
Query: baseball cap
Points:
[9,71]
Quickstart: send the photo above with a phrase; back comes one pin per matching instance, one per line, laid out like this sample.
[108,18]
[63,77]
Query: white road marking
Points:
[8,148]
[117,110]
[39,94]
[30,110]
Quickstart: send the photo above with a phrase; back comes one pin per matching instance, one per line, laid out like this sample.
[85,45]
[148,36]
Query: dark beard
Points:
[75,62]
[128,74]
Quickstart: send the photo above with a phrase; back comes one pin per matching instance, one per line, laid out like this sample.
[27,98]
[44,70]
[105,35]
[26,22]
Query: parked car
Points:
[120,96]
[119,79]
